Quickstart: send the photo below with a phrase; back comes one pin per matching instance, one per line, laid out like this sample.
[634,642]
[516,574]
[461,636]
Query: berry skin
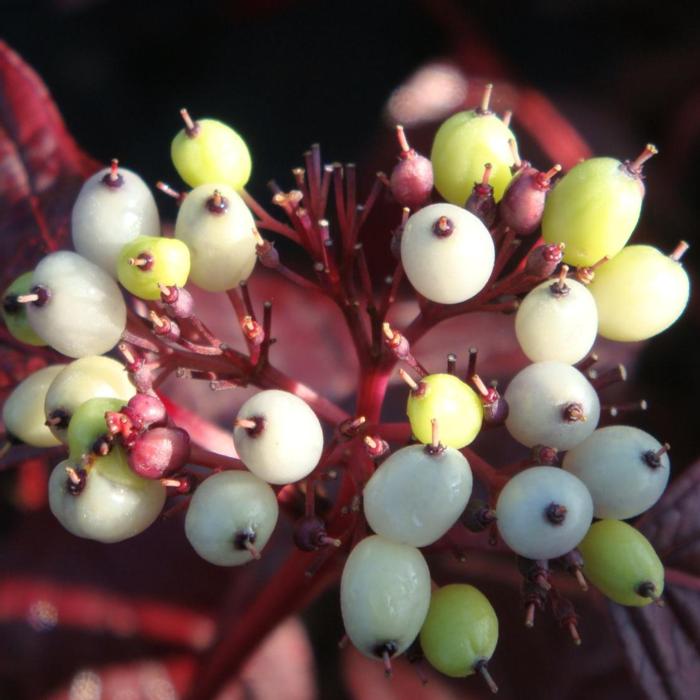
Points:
[159,452]
[412,178]
[462,146]
[88,425]
[551,404]
[15,314]
[145,263]
[447,253]
[107,216]
[639,293]
[620,468]
[217,227]
[557,322]
[110,505]
[460,631]
[620,562]
[522,205]
[23,410]
[384,596]
[82,311]
[593,209]
[231,512]
[447,399]
[213,153]
[543,512]
[146,411]
[287,441]
[87,378]
[415,497]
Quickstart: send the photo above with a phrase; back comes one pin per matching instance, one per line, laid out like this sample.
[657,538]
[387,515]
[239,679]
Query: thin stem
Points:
[265,221]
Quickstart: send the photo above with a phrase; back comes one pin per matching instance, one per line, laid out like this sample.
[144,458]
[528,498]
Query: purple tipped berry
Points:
[412,178]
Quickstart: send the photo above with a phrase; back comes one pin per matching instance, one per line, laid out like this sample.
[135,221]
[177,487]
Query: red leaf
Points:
[281,668]
[661,644]
[45,603]
[41,168]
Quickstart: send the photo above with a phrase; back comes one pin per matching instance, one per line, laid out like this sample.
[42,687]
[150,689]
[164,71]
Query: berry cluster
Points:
[475,250]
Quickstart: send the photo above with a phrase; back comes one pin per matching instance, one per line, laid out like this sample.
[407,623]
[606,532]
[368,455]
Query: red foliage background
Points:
[147,619]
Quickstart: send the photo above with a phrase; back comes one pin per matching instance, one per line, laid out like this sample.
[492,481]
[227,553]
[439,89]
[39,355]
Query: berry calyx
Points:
[217,203]
[113,179]
[481,201]
[443,227]
[310,534]
[634,167]
[191,126]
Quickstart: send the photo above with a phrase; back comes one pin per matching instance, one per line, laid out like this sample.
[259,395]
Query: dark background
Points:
[289,73]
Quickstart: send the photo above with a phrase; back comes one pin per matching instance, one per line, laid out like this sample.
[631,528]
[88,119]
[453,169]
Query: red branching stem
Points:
[241,312]
[288,590]
[323,407]
[365,279]
[311,238]
[267,222]
[339,201]
[377,187]
[213,460]
[313,173]
[350,205]
[204,331]
[296,278]
[300,178]
[508,247]
[484,471]
[391,291]
[267,334]
[310,497]
[247,301]
[325,187]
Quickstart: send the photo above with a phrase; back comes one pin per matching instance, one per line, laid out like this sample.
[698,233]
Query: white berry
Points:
[228,510]
[525,521]
[416,497]
[287,443]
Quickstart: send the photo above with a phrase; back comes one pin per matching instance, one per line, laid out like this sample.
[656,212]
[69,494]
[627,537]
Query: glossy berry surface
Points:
[552,404]
[639,293]
[220,240]
[384,596]
[159,452]
[84,314]
[618,559]
[23,410]
[214,153]
[620,468]
[449,264]
[106,216]
[113,504]
[462,146]
[557,321]
[226,510]
[88,425]
[145,263]
[288,442]
[415,497]
[14,314]
[593,209]
[460,630]
[83,379]
[447,399]
[543,512]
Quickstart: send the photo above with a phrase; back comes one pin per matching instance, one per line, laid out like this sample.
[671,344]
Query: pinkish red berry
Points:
[159,452]
[412,177]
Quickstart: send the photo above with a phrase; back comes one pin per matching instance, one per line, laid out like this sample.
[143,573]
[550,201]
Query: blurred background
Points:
[288,73]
